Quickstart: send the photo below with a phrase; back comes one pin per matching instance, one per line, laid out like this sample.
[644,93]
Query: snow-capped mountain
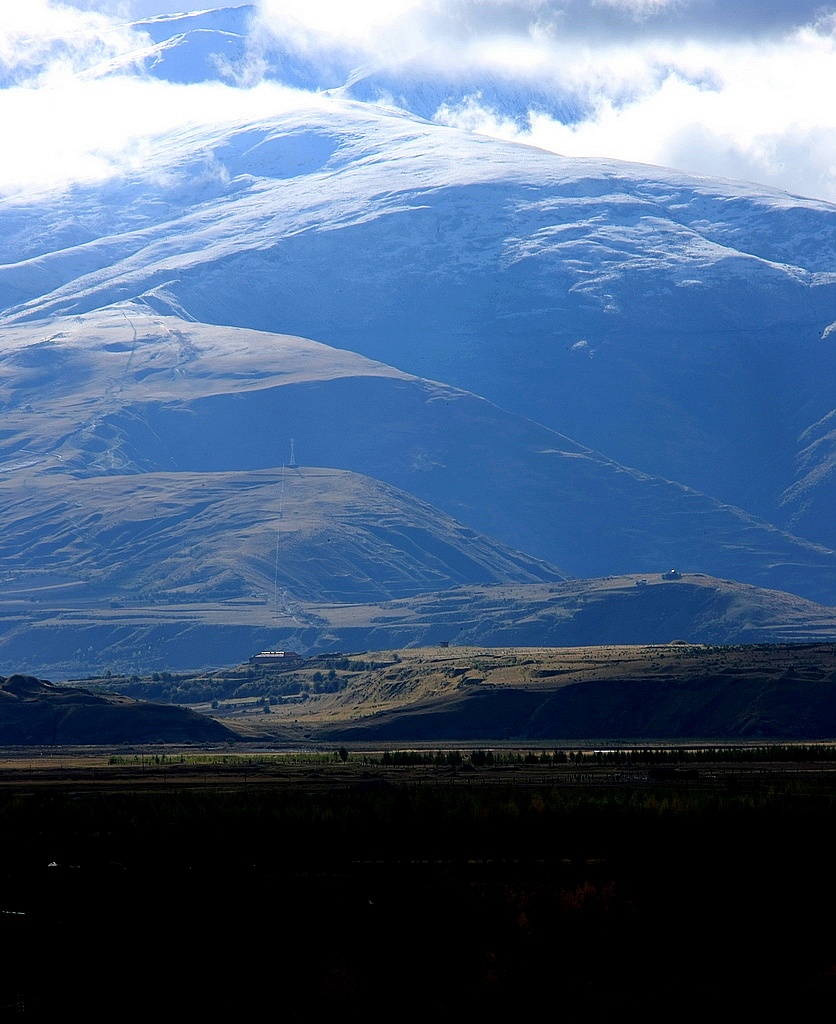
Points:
[680,326]
[584,366]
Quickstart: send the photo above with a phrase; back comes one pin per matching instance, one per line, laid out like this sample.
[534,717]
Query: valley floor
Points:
[307,885]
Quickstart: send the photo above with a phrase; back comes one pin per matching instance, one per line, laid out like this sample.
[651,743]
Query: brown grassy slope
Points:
[671,692]
[629,609]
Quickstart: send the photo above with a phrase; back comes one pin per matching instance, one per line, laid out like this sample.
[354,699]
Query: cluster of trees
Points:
[648,756]
[799,753]
[476,758]
[322,674]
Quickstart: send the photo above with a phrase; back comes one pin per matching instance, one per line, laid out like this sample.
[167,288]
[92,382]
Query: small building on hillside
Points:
[276,659]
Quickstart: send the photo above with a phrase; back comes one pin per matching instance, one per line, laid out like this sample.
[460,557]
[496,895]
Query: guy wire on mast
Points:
[278,534]
[291,465]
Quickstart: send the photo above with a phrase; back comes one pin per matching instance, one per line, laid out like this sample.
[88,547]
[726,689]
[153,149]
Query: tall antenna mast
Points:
[292,452]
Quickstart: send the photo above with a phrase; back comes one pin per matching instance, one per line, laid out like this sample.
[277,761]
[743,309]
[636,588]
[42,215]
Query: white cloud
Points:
[339,19]
[374,30]
[42,38]
[83,131]
[733,90]
[760,111]
[640,9]
[135,10]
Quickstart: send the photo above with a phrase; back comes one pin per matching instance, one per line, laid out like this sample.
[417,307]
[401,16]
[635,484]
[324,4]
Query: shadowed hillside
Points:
[34,712]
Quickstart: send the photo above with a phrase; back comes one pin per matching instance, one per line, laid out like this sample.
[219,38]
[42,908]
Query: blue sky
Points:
[741,90]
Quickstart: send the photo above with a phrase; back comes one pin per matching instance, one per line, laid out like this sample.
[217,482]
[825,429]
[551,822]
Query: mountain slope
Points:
[150,515]
[130,393]
[631,609]
[678,325]
[322,534]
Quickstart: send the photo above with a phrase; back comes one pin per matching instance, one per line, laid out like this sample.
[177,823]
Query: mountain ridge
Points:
[530,367]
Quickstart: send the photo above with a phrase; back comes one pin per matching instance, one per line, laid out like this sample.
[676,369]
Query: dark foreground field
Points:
[305,889]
